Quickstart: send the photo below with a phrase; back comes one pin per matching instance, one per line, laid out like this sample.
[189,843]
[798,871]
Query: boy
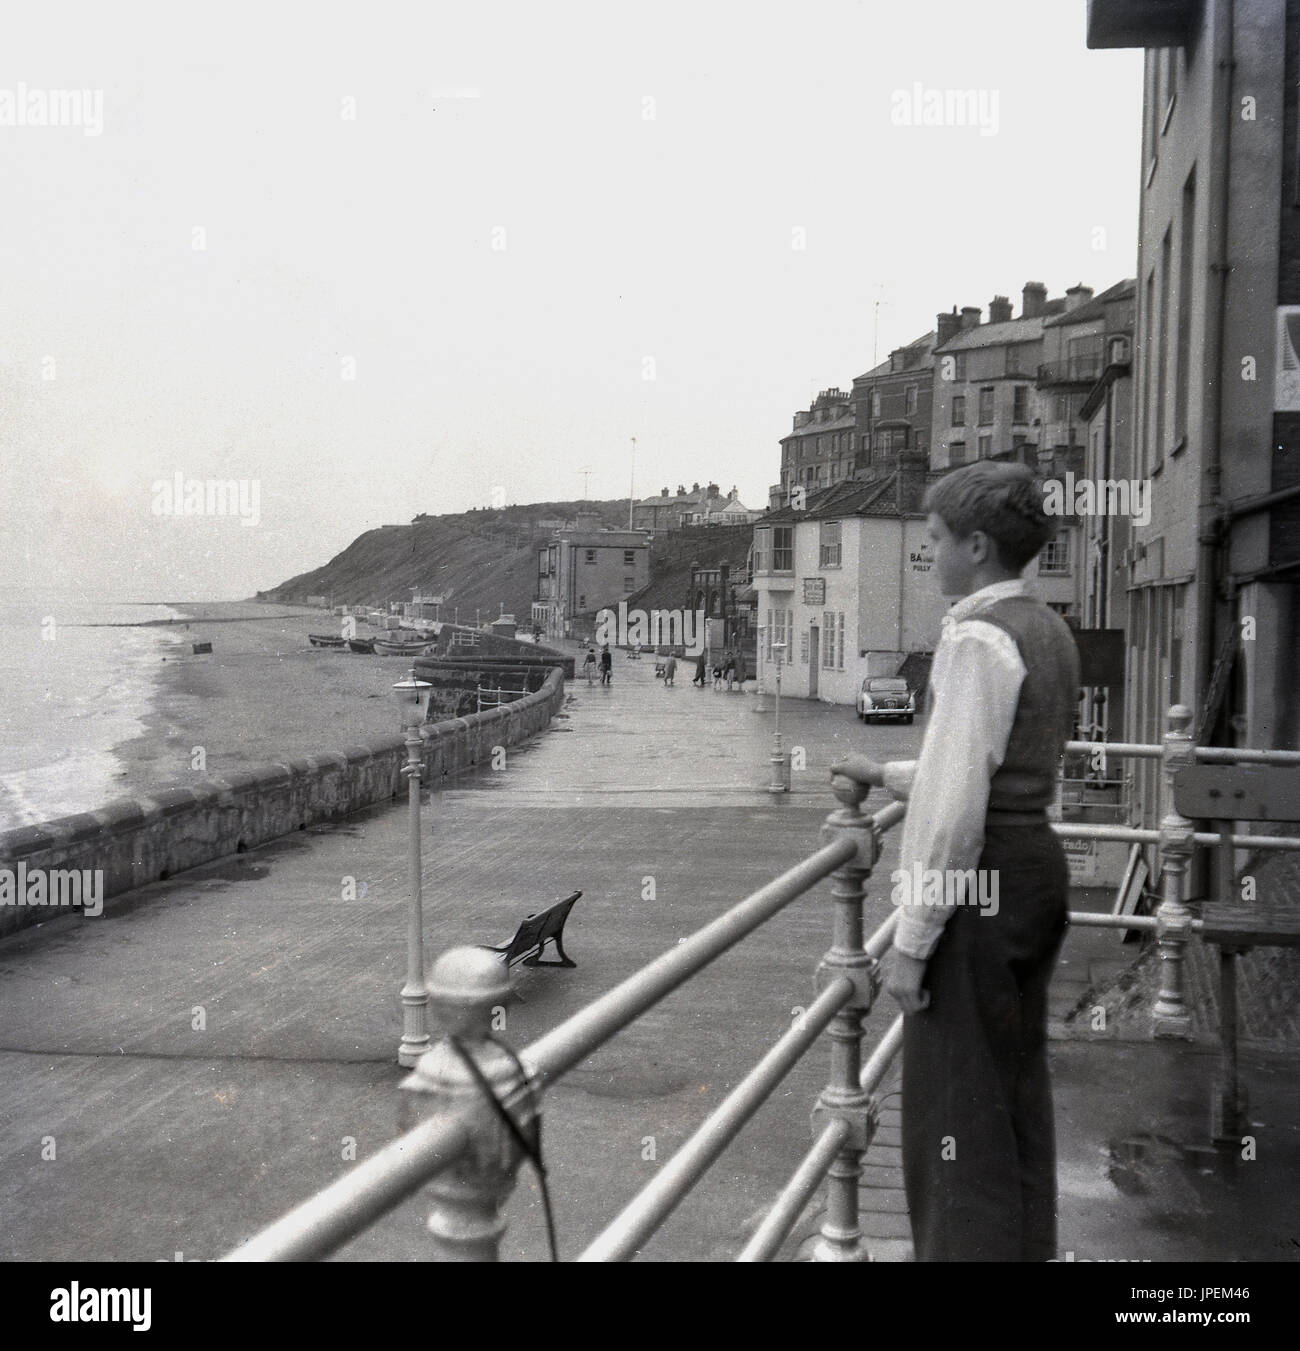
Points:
[979,1160]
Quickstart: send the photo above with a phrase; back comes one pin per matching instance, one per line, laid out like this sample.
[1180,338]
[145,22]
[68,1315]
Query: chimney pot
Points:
[970,316]
[999,310]
[1033,300]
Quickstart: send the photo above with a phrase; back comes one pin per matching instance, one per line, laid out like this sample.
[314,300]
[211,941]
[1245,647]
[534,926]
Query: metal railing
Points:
[456,1144]
[488,697]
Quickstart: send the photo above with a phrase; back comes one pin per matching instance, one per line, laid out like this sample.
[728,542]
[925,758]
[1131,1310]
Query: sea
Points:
[77,676]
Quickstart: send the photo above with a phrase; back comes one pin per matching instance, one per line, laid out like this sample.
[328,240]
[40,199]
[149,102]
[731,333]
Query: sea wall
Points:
[142,839]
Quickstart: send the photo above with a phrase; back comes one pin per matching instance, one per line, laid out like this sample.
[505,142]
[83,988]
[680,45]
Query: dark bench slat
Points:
[533,934]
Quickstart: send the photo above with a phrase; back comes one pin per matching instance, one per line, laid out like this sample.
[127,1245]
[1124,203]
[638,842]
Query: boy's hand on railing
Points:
[860,769]
[903,981]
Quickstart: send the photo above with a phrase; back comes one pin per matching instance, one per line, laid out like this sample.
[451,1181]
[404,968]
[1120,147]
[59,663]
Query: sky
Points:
[371,261]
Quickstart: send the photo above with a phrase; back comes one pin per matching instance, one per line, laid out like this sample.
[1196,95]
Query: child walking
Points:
[979,1155]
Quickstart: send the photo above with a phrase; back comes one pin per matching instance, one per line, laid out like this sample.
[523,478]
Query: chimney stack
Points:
[945,326]
[970,316]
[1077,295]
[1033,298]
[999,310]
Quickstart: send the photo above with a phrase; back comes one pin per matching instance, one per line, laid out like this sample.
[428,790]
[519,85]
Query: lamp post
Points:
[413,699]
[780,765]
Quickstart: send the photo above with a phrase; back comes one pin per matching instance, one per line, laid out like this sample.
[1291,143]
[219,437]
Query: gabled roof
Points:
[925,341]
[1096,307]
[876,496]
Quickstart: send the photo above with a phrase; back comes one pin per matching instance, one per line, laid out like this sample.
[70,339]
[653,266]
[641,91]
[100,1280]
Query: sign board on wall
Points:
[1081,855]
[921,560]
[814,590]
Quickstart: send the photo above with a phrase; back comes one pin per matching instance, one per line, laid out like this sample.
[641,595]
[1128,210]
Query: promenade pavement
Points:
[211,1050]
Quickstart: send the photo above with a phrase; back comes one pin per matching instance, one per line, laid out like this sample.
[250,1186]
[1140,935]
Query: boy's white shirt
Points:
[976,679]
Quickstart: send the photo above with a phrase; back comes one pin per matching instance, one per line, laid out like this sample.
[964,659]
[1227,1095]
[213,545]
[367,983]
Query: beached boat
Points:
[200,648]
[362,645]
[325,640]
[386,647]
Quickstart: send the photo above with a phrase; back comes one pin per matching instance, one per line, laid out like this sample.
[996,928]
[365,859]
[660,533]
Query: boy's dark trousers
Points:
[979,1148]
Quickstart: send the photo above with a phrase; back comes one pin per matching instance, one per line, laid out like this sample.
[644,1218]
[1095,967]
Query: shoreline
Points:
[263,694]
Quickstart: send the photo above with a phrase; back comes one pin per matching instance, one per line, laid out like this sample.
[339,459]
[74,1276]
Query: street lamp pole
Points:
[780,765]
[413,698]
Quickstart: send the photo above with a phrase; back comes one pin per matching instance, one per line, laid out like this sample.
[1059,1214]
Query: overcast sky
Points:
[382,259]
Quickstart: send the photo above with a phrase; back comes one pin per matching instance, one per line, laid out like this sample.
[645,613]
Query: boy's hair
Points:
[1003,500]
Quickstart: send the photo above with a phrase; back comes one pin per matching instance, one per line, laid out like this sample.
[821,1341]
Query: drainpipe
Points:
[1212,536]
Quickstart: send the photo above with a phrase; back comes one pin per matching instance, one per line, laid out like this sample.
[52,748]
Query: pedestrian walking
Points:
[606,665]
[700,666]
[589,665]
[729,670]
[979,1152]
[670,669]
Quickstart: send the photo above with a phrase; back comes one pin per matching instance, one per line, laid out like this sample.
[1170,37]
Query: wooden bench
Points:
[533,934]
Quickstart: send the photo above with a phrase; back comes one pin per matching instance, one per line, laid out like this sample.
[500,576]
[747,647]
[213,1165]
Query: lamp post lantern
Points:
[780,764]
[413,700]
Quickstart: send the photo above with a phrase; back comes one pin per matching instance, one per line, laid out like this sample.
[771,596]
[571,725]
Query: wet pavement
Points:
[185,1068]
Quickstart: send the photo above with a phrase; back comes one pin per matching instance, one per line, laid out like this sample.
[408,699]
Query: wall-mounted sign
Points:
[814,590]
[922,560]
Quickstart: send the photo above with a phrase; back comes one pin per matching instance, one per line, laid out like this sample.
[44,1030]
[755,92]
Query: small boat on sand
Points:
[362,645]
[200,648]
[325,640]
[386,647]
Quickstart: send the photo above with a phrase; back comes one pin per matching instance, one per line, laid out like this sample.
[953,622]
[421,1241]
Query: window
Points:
[629,584]
[958,410]
[986,406]
[783,548]
[957,452]
[832,640]
[923,443]
[1020,404]
[591,555]
[985,447]
[629,558]
[803,647]
[778,631]
[959,363]
[763,550]
[830,545]
[875,403]
[910,395]
[866,441]
[1055,558]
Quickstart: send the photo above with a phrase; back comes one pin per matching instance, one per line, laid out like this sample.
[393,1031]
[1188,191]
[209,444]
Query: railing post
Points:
[843,1098]
[1169,1016]
[466,985]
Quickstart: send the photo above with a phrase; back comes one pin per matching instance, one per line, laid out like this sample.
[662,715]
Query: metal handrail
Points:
[463,1131]
[569,1044]
[660,1197]
[332,1216]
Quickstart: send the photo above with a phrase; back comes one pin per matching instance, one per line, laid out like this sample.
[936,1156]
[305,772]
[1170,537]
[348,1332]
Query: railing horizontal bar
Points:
[882,1057]
[1084,919]
[1129,834]
[327,1220]
[795,1195]
[883,939]
[1136,750]
[1250,841]
[888,816]
[574,1039]
[1229,754]
[655,1202]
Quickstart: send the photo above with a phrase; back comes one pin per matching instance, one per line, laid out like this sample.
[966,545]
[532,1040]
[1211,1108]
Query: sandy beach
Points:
[263,693]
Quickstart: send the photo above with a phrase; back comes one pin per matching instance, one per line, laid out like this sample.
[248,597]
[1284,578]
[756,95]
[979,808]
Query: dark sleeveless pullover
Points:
[1025,784]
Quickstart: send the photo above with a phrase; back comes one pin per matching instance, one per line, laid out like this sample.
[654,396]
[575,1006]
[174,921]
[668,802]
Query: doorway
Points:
[814,659]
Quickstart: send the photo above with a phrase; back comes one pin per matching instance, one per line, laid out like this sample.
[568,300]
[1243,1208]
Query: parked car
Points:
[886,697]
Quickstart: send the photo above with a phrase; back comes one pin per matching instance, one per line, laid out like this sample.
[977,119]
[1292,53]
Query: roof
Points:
[840,424]
[876,496]
[926,340]
[1096,307]
[994,335]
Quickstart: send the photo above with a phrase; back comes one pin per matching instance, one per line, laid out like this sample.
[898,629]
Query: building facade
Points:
[582,571]
[1212,577]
